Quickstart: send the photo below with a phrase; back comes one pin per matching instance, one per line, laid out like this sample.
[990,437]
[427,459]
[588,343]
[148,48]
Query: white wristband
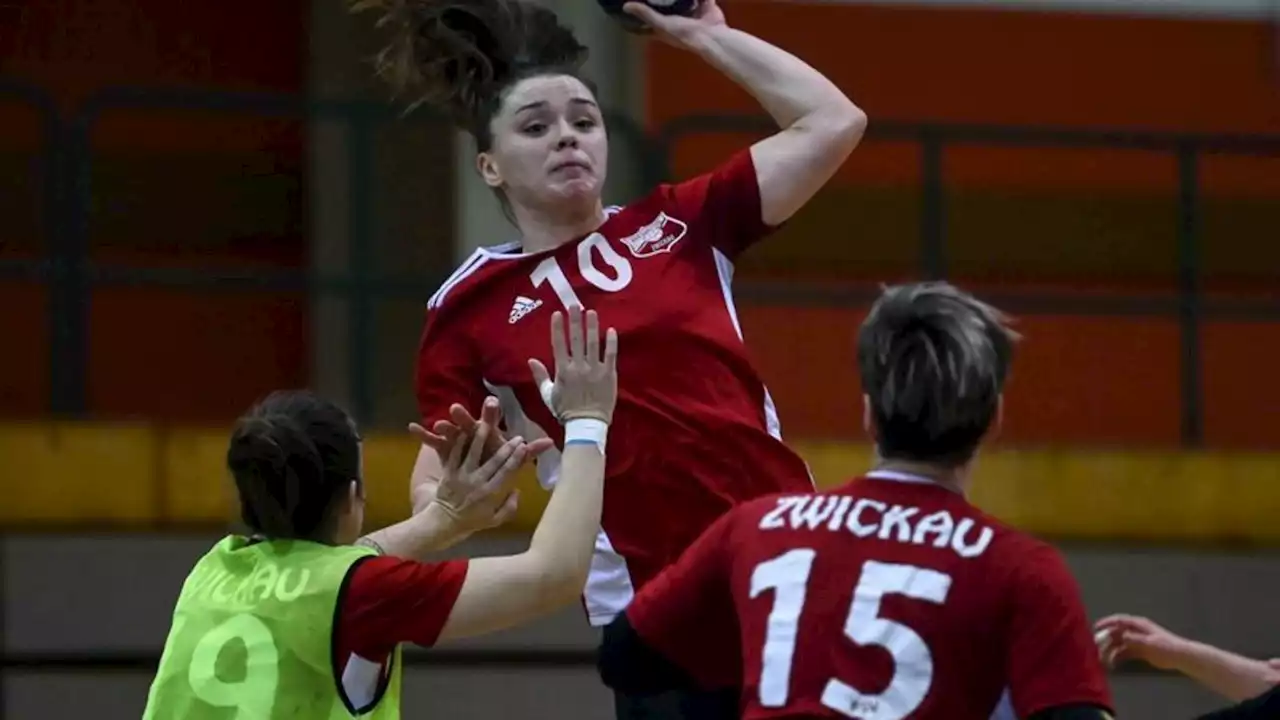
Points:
[586,430]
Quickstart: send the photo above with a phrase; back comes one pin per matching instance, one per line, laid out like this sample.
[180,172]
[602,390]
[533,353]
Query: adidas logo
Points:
[522,306]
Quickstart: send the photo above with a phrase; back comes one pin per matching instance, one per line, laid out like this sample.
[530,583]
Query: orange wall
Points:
[171,189]
[1090,380]
[1075,381]
[1009,67]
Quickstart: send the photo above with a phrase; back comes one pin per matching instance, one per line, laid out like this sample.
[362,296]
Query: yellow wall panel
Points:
[388,462]
[193,476]
[55,473]
[139,476]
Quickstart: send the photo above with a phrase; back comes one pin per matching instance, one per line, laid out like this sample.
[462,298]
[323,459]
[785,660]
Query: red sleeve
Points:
[388,601]
[686,612]
[724,205]
[1052,659]
[448,370]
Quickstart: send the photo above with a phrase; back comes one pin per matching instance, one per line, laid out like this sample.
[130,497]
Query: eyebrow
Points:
[543,103]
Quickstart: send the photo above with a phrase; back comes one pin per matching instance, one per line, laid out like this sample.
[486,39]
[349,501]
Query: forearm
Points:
[427,473]
[785,86]
[1230,675]
[426,532]
[564,540]
[504,591]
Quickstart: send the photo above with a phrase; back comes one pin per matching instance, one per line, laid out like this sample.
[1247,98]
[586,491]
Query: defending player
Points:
[658,269]
[891,597]
[293,622]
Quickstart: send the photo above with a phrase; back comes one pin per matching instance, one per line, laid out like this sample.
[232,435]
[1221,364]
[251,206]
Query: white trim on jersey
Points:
[464,271]
[360,681]
[724,268]
[609,589]
[901,477]
[512,250]
[1004,709]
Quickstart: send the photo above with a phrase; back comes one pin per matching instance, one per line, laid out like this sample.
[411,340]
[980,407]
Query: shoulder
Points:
[381,580]
[1028,564]
[473,272]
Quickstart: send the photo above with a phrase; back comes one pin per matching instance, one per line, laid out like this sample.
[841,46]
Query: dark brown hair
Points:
[293,457]
[462,56]
[933,360]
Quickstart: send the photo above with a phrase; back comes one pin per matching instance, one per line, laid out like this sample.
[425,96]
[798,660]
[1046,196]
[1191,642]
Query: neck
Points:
[954,478]
[543,230]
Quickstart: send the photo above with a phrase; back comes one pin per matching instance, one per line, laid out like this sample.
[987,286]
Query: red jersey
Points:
[891,598]
[696,430]
[386,601]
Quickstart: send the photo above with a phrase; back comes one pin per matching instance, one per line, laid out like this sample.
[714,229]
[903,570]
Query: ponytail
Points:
[291,461]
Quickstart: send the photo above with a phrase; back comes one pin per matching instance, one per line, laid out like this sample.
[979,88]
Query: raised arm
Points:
[820,126]
[504,591]
[466,497]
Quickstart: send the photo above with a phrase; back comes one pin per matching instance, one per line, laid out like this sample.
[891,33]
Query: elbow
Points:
[848,125]
[561,579]
[837,127]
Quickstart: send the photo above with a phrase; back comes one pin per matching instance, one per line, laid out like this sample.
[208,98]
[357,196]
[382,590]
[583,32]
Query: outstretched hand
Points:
[445,433]
[475,492]
[1131,637]
[585,386]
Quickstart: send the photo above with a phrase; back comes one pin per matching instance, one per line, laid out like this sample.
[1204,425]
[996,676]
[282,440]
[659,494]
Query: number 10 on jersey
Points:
[619,275]
[788,577]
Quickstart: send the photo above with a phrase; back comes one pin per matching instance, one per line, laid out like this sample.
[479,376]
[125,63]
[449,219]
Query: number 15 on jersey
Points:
[788,576]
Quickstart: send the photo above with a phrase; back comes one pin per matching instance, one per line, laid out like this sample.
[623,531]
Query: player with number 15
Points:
[892,597]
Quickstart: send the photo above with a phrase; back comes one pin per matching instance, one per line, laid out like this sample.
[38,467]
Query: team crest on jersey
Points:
[658,236]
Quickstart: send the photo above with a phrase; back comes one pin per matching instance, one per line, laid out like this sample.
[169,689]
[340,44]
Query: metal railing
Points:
[65,182]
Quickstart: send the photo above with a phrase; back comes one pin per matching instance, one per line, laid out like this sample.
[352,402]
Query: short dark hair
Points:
[293,457]
[462,56]
[933,361]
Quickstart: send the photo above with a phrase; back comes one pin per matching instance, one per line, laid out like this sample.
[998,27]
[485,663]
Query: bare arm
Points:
[501,592]
[473,497]
[428,469]
[820,125]
[1232,676]
[1132,637]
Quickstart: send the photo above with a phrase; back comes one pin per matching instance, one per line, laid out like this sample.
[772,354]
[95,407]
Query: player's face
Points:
[550,151]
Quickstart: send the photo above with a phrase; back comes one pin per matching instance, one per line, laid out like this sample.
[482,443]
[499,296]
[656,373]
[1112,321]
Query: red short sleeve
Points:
[447,371]
[723,204]
[686,612]
[1052,659]
[388,601]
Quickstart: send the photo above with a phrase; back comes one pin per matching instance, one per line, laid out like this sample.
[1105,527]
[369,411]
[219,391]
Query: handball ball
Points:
[666,7]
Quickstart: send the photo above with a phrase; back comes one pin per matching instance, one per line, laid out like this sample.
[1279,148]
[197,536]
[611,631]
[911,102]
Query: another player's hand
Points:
[679,30]
[586,382]
[476,493]
[1130,637]
[444,433]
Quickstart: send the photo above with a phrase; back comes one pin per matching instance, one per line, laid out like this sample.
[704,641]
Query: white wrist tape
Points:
[546,388]
[586,430]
